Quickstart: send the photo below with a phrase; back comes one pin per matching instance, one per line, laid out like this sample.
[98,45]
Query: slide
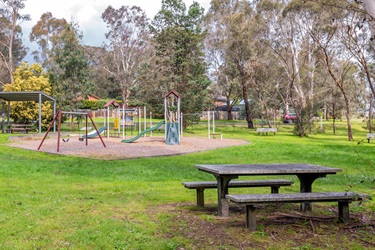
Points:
[144,132]
[93,133]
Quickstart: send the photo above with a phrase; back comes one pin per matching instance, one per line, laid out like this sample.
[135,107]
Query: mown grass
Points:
[61,202]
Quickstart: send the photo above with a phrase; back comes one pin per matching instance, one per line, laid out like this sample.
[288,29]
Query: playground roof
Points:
[172,92]
[26,96]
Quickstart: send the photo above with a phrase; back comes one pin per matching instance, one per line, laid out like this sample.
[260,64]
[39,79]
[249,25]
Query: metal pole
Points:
[58,133]
[54,114]
[182,121]
[87,136]
[2,118]
[144,122]
[108,122]
[166,119]
[151,123]
[178,119]
[8,115]
[97,131]
[118,121]
[213,122]
[208,123]
[49,128]
[123,121]
[139,120]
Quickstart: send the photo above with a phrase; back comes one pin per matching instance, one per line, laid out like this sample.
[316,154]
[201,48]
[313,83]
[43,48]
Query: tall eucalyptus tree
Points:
[128,38]
[237,22]
[46,33]
[11,49]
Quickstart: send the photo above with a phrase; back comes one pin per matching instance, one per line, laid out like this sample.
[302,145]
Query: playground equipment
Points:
[213,126]
[116,127]
[58,116]
[144,132]
[172,118]
[94,133]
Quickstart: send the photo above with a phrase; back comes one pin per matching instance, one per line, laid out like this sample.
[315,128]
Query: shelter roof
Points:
[26,96]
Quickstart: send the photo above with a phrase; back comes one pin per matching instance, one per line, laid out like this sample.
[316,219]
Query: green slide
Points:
[144,132]
[93,134]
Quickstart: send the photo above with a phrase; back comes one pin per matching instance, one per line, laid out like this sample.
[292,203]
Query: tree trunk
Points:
[250,123]
[370,111]
[229,110]
[72,122]
[347,114]
[340,85]
[334,113]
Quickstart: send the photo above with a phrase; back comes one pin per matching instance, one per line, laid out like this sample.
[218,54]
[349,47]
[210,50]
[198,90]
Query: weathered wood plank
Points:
[200,186]
[251,200]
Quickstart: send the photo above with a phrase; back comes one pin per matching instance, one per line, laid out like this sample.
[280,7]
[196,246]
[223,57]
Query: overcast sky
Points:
[87,13]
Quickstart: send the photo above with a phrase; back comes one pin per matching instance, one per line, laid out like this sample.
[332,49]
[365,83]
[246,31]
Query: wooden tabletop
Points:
[266,169]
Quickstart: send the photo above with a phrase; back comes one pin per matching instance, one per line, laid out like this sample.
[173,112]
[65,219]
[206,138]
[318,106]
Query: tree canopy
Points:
[30,78]
[310,57]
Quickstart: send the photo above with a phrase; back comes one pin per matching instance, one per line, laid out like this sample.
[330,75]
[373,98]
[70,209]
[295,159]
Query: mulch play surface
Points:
[115,149]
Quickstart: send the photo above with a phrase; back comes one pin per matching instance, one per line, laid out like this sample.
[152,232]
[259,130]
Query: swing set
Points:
[58,117]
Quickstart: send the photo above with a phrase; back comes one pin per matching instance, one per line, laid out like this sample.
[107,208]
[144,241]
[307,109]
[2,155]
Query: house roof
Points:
[26,96]
[93,97]
[112,102]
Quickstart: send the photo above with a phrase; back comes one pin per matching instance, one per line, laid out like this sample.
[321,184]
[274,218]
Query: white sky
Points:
[88,15]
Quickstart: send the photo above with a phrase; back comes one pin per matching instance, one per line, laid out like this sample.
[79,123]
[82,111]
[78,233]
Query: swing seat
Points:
[65,140]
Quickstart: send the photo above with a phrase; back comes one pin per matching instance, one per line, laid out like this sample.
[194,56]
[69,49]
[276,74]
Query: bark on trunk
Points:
[229,110]
[250,123]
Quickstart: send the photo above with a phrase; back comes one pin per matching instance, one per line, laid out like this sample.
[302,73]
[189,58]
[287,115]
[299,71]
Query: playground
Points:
[115,149]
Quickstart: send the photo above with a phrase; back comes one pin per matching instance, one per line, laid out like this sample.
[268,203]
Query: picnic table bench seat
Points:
[200,186]
[266,131]
[251,200]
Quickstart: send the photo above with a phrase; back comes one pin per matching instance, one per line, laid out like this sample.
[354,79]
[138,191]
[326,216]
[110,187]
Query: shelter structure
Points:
[36,96]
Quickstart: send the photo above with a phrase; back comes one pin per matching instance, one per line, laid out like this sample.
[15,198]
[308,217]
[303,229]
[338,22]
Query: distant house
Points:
[93,98]
[220,101]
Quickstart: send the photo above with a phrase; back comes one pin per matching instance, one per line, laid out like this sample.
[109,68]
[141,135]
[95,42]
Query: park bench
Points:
[370,136]
[251,200]
[266,131]
[22,128]
[202,185]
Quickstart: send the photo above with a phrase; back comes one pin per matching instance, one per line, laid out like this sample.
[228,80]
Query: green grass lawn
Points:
[61,202]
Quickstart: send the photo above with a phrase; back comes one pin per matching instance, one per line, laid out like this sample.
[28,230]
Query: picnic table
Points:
[306,173]
[23,128]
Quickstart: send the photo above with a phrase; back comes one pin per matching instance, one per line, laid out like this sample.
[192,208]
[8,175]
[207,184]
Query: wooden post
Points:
[200,197]
[251,222]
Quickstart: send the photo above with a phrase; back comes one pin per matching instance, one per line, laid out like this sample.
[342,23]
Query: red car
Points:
[289,118]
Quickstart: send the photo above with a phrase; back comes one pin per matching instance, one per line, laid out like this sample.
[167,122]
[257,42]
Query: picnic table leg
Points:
[251,222]
[306,181]
[200,197]
[344,211]
[222,191]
